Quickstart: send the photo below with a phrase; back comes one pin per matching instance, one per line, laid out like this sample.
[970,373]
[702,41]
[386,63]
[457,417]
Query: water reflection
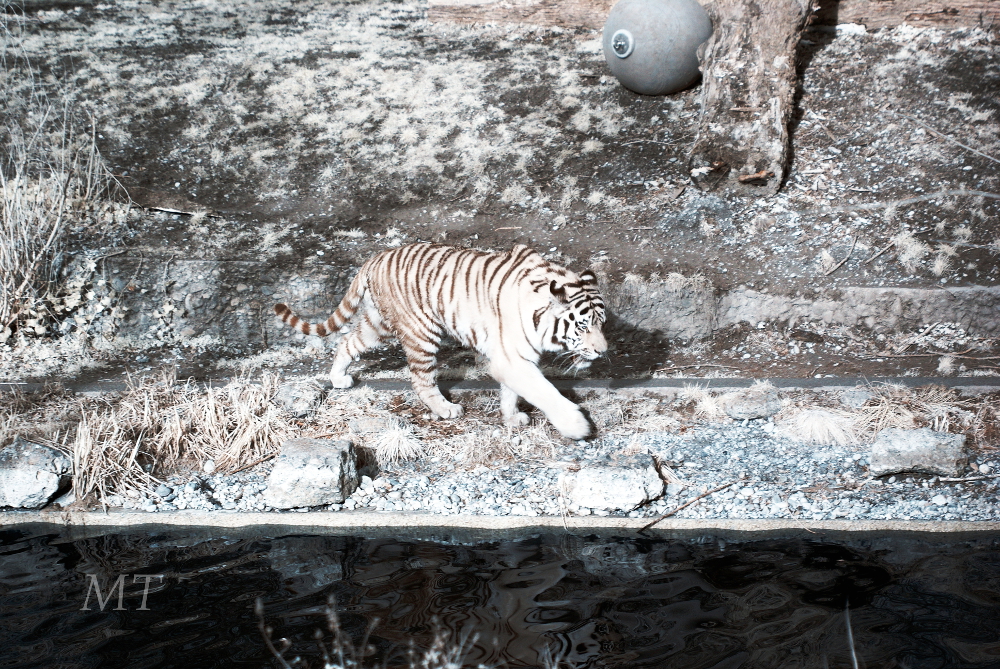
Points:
[694,602]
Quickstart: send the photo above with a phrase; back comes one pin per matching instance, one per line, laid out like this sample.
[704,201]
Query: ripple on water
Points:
[686,602]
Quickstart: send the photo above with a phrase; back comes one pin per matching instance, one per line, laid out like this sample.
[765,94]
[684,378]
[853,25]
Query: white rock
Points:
[312,472]
[751,403]
[923,450]
[30,474]
[620,487]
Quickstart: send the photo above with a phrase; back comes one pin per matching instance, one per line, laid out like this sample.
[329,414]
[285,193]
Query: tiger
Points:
[508,306]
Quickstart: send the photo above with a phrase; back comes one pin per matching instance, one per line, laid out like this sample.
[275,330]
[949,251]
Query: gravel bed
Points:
[771,477]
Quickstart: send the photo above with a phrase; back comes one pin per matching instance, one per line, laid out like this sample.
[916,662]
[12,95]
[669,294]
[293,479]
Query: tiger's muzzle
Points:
[593,346]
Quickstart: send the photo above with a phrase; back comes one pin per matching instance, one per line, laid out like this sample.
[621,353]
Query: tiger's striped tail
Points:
[338,319]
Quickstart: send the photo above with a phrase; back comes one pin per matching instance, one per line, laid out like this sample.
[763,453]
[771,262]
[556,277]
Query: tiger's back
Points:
[508,306]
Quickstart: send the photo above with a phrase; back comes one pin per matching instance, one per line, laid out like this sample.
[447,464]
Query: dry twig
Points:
[968,479]
[854,243]
[688,503]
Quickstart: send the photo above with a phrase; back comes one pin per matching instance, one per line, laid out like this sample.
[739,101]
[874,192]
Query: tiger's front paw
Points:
[518,419]
[447,410]
[572,425]
[345,381]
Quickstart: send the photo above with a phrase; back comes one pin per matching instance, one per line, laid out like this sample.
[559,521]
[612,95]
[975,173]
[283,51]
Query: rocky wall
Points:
[226,305]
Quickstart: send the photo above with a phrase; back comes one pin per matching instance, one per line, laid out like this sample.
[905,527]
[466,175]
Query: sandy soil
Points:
[341,128]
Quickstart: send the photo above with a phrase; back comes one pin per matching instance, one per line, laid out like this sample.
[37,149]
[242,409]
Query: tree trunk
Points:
[747,94]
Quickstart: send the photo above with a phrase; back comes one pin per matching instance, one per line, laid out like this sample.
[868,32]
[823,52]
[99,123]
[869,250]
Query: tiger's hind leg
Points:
[421,355]
[368,333]
[508,408]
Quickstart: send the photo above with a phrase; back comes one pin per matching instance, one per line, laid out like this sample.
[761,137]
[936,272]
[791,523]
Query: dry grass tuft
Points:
[828,427]
[910,250]
[617,414]
[907,408]
[353,233]
[478,448]
[396,444]
[158,424]
[48,416]
[941,265]
[606,410]
[946,365]
[705,404]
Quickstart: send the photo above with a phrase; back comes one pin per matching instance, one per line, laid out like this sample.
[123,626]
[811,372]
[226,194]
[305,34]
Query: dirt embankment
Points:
[275,148]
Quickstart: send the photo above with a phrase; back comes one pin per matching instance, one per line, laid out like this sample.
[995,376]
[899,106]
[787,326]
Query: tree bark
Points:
[747,94]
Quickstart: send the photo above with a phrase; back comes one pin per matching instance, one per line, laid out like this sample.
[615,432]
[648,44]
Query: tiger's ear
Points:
[587,278]
[558,292]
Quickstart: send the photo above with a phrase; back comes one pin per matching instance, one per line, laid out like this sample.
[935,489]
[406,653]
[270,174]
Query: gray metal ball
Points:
[651,45]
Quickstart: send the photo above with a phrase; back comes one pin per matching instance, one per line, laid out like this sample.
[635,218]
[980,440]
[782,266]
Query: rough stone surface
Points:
[922,450]
[752,403]
[299,398]
[688,312]
[30,474]
[892,308]
[312,472]
[614,486]
[693,312]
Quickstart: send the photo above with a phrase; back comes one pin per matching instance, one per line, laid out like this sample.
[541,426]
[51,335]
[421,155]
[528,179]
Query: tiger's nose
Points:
[599,343]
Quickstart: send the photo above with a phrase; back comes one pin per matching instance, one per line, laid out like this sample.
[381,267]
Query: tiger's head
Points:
[578,311]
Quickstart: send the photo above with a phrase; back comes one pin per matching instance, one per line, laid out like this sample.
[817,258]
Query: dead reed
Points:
[158,424]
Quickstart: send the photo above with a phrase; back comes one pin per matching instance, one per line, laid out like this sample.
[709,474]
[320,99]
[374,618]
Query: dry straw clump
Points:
[158,424]
[910,250]
[894,406]
[827,427]
[616,414]
[47,416]
[396,443]
[897,406]
[705,404]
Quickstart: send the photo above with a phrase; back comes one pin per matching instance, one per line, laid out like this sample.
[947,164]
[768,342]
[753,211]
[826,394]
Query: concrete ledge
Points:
[77,524]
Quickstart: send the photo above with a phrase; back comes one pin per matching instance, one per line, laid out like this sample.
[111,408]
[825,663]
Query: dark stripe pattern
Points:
[422,291]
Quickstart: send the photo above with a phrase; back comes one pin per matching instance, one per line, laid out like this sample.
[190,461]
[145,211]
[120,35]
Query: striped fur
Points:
[510,307]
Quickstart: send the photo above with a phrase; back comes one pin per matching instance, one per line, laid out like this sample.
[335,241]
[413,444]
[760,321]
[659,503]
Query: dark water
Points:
[694,602]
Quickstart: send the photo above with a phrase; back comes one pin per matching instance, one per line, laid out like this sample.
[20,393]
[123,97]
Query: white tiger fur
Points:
[510,307]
